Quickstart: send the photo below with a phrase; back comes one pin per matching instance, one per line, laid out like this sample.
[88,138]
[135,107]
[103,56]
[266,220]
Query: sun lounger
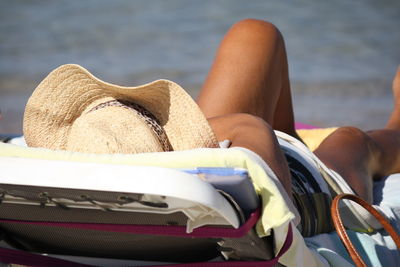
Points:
[144,215]
[55,212]
[60,208]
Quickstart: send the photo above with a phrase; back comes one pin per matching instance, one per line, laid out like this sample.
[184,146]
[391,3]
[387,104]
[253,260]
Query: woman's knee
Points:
[346,139]
[257,28]
[341,139]
[350,132]
[256,25]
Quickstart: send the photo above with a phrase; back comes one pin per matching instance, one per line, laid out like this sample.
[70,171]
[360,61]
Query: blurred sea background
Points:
[342,54]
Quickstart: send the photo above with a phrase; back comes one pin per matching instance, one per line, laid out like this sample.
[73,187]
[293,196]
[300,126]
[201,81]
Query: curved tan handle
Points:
[337,222]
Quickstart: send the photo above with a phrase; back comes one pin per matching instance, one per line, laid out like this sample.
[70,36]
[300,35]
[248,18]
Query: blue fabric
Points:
[220,171]
[386,195]
[233,181]
[377,249]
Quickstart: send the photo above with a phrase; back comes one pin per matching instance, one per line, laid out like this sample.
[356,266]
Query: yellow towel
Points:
[313,137]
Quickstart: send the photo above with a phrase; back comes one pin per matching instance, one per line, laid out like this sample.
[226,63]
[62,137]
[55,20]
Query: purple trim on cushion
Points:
[269,263]
[26,258]
[164,230]
[303,126]
[288,242]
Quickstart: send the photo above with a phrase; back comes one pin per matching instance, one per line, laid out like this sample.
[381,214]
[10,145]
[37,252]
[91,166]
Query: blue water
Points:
[326,40]
[132,42]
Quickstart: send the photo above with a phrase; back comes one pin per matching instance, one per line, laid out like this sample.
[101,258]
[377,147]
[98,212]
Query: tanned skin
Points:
[247,95]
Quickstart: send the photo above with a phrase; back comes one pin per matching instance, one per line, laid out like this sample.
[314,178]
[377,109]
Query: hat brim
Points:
[70,90]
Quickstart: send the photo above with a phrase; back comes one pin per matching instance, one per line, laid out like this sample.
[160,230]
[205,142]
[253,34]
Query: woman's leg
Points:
[250,75]
[361,156]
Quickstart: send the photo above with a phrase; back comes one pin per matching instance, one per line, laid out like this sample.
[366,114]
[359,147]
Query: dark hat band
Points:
[144,114]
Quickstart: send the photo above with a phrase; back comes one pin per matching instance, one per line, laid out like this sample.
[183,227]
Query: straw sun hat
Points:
[73,110]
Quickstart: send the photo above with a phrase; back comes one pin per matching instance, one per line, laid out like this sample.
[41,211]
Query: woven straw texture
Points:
[59,115]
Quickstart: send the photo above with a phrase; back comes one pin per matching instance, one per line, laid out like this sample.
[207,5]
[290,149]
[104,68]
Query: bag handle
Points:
[337,221]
